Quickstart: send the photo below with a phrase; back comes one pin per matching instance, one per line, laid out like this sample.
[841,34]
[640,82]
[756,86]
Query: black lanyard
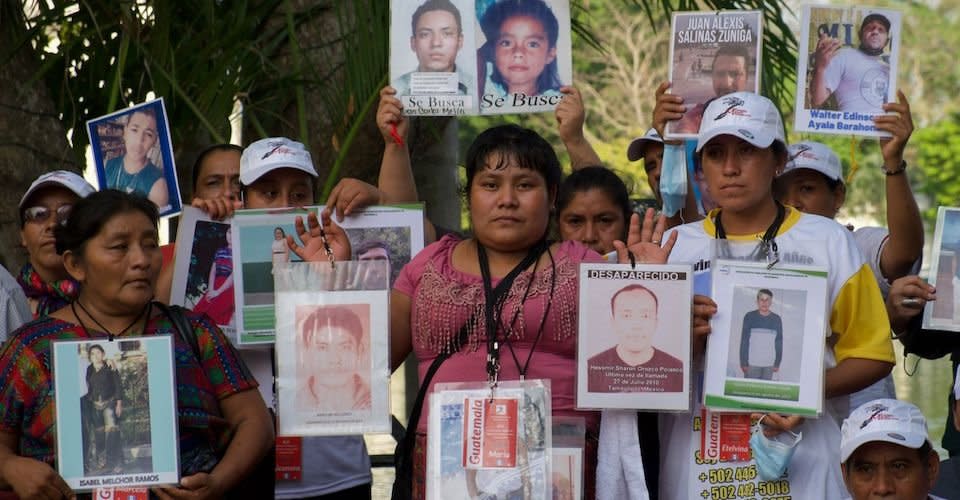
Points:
[768,246]
[494,299]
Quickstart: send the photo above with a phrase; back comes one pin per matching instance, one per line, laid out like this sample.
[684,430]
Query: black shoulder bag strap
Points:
[259,481]
[182,325]
[403,453]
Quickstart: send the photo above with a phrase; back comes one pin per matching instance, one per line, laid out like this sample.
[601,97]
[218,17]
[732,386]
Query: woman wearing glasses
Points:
[45,204]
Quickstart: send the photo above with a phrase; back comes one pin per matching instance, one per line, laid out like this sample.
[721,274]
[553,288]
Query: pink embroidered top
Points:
[443,298]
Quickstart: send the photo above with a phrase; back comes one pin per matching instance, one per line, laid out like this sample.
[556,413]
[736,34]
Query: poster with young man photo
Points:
[629,354]
[433,57]
[766,345]
[847,69]
[115,412]
[712,54]
[133,152]
[333,340]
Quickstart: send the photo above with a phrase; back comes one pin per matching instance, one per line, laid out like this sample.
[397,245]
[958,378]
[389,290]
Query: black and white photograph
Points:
[944,313]
[767,339]
[333,338]
[132,151]
[847,68]
[630,354]
[712,54]
[116,412]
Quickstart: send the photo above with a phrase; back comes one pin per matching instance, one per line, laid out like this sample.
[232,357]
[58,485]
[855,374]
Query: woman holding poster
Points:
[109,245]
[742,148]
[512,180]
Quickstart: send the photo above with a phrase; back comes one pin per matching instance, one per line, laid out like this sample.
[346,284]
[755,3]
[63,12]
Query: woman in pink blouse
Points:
[512,179]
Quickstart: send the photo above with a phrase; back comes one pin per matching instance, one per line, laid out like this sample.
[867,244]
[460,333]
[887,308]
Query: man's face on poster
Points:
[436,41]
[376,277]
[635,319]
[763,303]
[874,36]
[332,356]
[729,74]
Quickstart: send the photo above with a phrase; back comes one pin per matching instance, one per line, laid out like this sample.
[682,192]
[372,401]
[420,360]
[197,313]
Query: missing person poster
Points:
[259,245]
[116,412]
[847,68]
[484,443]
[467,57]
[766,346]
[712,54]
[203,269]
[633,344]
[332,348]
[133,153]
[944,313]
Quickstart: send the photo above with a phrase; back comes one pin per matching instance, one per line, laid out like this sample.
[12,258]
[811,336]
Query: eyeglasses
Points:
[40,215]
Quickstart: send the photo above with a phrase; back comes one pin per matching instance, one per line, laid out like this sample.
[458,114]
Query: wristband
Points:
[901,168]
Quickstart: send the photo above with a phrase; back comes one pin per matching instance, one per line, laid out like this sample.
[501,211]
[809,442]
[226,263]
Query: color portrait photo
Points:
[629,340]
[115,408]
[133,153]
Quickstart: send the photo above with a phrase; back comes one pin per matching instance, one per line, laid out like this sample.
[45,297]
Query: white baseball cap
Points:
[887,420]
[814,156]
[61,178]
[638,146]
[266,155]
[746,115]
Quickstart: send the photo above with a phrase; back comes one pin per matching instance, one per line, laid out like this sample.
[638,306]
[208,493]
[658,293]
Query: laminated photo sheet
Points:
[766,346]
[853,84]
[394,232]
[203,279]
[567,455]
[116,410]
[138,135]
[944,313]
[712,54]
[258,244]
[332,348]
[633,344]
[483,444]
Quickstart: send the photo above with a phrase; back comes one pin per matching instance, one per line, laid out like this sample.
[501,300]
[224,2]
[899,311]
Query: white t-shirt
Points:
[330,464]
[859,81]
[860,329]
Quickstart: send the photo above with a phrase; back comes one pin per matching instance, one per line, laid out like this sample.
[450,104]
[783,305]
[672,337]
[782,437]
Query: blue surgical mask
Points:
[773,455]
[673,178]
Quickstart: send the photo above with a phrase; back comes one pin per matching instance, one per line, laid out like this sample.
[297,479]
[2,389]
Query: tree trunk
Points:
[32,140]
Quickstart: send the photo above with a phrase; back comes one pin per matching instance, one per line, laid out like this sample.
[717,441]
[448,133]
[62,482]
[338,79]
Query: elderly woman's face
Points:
[121,263]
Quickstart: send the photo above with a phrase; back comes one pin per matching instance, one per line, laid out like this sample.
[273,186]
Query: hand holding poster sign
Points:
[847,68]
[133,152]
[521,52]
[712,54]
